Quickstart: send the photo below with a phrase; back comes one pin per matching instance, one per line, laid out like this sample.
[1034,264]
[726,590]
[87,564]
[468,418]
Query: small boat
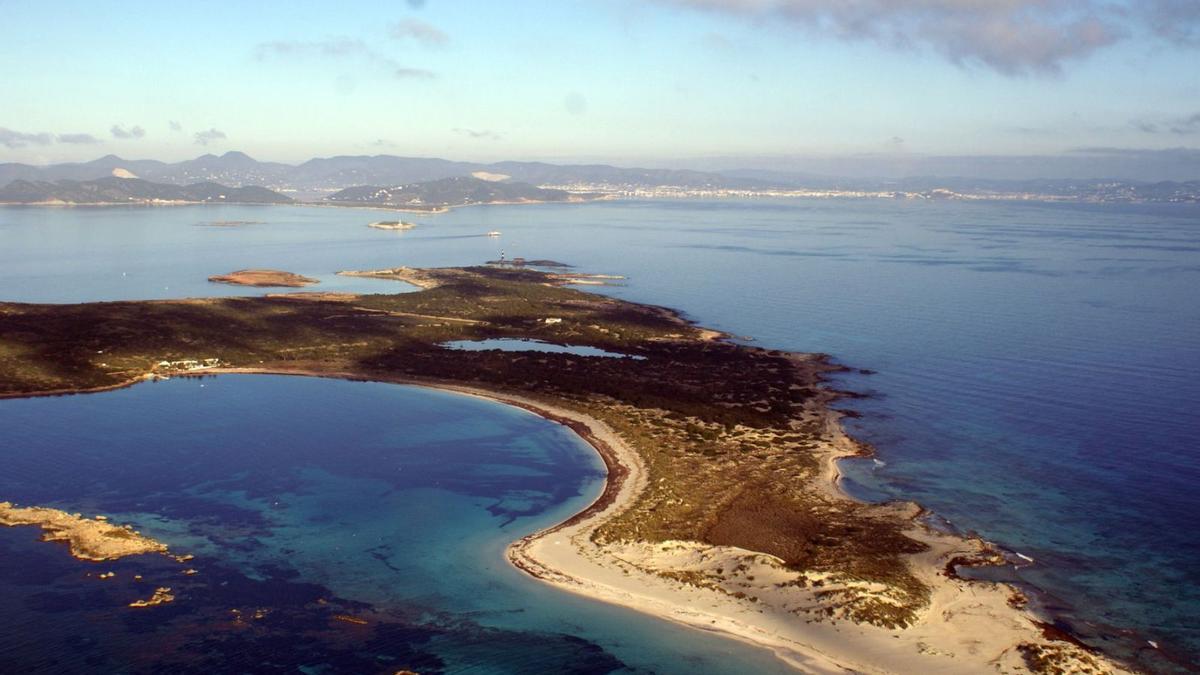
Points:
[494,233]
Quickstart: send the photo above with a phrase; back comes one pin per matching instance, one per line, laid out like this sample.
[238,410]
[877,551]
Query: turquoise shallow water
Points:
[1038,366]
[305,499]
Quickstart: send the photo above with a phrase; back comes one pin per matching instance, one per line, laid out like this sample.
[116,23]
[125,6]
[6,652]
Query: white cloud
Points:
[415,29]
[209,136]
[479,134]
[78,139]
[18,139]
[1010,36]
[339,48]
[119,131]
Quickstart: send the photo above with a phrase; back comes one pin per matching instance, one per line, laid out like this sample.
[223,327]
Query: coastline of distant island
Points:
[422,185]
[263,278]
[394,225]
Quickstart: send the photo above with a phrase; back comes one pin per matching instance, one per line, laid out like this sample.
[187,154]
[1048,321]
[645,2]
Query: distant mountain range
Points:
[1059,188]
[1051,187]
[431,195]
[114,190]
[321,176]
[454,191]
[415,181]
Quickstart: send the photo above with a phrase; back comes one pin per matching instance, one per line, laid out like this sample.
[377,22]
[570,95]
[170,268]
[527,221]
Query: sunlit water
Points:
[1038,367]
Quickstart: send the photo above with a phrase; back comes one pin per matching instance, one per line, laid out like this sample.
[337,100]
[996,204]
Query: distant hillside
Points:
[232,168]
[113,190]
[347,171]
[454,191]
[334,180]
[97,168]
[1092,190]
[321,176]
[540,173]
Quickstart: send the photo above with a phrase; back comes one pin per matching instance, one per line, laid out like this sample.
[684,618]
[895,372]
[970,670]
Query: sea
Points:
[1028,372]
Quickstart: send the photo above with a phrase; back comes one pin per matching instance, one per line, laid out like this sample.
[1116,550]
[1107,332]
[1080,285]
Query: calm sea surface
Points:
[306,500]
[1037,367]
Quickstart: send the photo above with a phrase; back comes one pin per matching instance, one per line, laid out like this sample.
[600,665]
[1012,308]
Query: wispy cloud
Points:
[415,73]
[1186,125]
[1180,126]
[10,138]
[1175,20]
[1146,127]
[716,42]
[1013,37]
[209,136]
[419,31]
[1026,130]
[333,47]
[480,134]
[339,48]
[175,126]
[18,139]
[78,139]
[119,131]
[575,103]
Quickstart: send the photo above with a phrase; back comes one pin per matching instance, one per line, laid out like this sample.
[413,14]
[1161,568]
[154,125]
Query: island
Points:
[522,262]
[438,196]
[230,223]
[409,275]
[263,278]
[721,509]
[392,225]
[117,190]
[162,595]
[93,539]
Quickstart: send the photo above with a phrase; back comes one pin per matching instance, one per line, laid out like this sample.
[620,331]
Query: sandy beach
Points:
[967,627]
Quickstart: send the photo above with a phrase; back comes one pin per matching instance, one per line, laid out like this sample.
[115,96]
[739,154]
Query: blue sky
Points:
[615,80]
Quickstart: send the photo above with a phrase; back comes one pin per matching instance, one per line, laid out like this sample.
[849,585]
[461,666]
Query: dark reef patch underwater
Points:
[227,620]
[336,527]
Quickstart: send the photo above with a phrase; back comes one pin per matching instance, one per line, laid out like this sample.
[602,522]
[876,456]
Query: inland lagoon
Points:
[312,507]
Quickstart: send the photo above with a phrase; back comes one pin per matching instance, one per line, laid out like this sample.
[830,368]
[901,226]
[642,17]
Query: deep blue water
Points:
[1038,366]
[308,499]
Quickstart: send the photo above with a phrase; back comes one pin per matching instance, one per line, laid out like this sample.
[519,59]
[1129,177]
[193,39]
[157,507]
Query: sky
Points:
[655,82]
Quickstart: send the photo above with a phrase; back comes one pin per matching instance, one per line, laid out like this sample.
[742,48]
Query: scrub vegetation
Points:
[728,433]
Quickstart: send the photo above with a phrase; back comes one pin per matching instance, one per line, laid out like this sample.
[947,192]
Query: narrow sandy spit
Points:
[968,626]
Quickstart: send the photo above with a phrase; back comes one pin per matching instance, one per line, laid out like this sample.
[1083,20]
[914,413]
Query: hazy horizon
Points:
[862,88]
[1176,164]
